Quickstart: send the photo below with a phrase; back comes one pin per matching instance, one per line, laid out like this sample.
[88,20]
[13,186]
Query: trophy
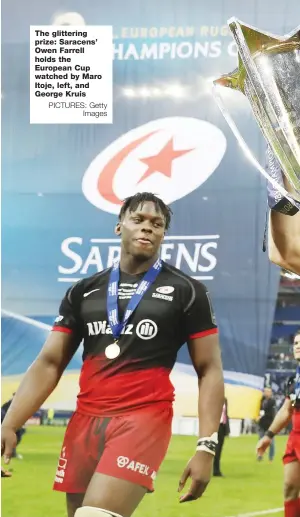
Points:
[268,74]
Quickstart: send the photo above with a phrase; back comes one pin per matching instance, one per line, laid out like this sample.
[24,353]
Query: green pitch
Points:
[248,486]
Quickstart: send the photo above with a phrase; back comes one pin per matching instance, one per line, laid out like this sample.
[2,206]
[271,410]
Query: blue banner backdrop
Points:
[62,185]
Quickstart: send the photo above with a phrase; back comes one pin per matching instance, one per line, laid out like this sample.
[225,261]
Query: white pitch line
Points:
[263,512]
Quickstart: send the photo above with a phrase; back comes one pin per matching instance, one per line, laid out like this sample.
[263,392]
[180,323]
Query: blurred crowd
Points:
[281,361]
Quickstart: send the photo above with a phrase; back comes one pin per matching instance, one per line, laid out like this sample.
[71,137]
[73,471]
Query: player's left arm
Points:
[206,357]
[203,344]
[205,353]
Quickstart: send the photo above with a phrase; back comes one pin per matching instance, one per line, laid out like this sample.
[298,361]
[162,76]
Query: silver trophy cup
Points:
[268,74]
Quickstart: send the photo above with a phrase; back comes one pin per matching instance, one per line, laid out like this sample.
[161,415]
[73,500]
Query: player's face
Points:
[297,347]
[143,231]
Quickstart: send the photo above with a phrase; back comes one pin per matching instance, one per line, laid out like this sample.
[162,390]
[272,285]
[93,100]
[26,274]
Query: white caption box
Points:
[71,74]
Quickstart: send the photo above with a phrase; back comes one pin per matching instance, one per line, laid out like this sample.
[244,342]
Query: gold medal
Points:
[112,351]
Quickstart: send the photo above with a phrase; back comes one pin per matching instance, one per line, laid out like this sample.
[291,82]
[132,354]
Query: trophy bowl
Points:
[268,74]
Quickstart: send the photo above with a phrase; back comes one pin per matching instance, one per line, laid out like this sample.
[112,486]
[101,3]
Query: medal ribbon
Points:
[150,276]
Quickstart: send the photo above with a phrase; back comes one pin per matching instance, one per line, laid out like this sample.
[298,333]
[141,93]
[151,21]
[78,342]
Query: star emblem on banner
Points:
[162,161]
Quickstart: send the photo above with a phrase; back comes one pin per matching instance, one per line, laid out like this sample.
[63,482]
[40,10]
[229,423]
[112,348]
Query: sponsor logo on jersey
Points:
[62,463]
[165,289]
[61,468]
[135,466]
[95,328]
[162,297]
[145,329]
[163,292]
[155,157]
[90,292]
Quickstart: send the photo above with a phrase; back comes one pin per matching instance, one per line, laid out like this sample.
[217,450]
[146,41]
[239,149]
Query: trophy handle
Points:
[245,146]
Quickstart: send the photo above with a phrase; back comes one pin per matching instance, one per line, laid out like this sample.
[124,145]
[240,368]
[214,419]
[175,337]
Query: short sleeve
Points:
[200,319]
[69,320]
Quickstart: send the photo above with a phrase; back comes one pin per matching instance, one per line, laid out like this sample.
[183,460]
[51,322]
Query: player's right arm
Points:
[280,421]
[40,379]
[44,374]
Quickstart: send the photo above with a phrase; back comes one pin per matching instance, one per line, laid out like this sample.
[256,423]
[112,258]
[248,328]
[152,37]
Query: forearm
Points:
[280,421]
[211,399]
[285,233]
[37,384]
[284,237]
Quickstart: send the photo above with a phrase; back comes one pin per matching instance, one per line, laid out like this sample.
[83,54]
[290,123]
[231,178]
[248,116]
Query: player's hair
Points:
[131,204]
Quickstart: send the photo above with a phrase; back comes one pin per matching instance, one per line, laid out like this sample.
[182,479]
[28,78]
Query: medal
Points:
[112,351]
[117,327]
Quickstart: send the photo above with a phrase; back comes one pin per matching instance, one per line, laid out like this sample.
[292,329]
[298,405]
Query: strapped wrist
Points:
[208,444]
[270,434]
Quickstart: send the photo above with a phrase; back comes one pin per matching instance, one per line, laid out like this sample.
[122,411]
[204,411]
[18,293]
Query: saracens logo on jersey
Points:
[169,156]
